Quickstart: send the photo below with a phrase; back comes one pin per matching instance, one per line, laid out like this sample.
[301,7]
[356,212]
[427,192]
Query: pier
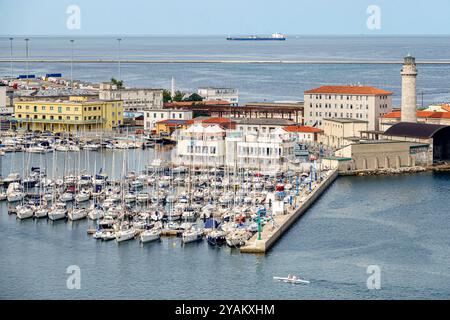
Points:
[271,232]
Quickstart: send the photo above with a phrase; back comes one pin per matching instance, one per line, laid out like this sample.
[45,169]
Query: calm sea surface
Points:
[256,82]
[398,223]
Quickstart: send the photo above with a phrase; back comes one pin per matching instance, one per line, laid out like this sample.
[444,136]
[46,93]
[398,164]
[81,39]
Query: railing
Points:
[63,121]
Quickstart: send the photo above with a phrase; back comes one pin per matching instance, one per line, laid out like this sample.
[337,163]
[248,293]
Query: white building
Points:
[260,125]
[340,132]
[5,107]
[304,134]
[134,99]
[225,94]
[151,117]
[351,102]
[201,146]
[268,153]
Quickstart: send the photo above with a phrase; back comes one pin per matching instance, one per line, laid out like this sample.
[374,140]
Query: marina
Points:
[221,205]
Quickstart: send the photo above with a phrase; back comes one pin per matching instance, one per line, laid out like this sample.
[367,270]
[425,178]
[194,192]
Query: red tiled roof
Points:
[217,120]
[302,129]
[349,90]
[174,122]
[420,114]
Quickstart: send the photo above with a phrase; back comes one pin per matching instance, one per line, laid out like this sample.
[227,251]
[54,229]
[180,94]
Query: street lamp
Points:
[118,57]
[26,62]
[71,63]
[11,55]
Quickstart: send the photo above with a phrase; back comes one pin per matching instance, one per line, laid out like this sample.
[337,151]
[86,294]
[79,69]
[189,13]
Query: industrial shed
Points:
[436,136]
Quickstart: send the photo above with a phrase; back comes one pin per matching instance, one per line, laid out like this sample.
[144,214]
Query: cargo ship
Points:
[276,36]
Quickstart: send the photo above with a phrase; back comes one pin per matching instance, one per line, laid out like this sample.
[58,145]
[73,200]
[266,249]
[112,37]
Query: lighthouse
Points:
[409,99]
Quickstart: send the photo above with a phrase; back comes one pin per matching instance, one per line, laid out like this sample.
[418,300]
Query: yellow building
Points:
[75,114]
[167,127]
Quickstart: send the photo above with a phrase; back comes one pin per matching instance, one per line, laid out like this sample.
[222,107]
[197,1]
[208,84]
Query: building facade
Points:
[134,99]
[338,132]
[268,153]
[260,125]
[152,117]
[201,145]
[304,134]
[350,102]
[72,115]
[223,94]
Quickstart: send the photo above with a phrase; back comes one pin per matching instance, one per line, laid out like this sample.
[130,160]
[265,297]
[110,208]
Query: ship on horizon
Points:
[274,37]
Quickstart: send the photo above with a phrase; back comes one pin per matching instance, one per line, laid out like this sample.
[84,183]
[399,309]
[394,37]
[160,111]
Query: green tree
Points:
[118,83]
[178,96]
[194,97]
[167,96]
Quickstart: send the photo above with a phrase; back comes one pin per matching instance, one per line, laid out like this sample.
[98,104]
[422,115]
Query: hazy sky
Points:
[112,17]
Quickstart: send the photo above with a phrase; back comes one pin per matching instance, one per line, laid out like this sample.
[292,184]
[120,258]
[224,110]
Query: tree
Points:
[178,96]
[118,83]
[194,97]
[167,96]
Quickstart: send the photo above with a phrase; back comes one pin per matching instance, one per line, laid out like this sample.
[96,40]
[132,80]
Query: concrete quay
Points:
[271,232]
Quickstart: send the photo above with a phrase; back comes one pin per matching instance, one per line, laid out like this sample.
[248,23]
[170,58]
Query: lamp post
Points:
[26,62]
[11,55]
[71,63]
[118,57]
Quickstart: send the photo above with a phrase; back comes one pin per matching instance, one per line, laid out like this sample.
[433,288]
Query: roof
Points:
[302,129]
[414,130]
[345,120]
[357,90]
[173,122]
[264,121]
[420,114]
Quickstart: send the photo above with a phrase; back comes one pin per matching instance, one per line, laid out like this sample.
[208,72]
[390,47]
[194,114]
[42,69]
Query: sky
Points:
[224,17]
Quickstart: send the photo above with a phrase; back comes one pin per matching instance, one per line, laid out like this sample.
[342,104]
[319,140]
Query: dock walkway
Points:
[271,232]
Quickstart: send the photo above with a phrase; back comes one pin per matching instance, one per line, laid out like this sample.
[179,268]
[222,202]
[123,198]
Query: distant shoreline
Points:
[435,62]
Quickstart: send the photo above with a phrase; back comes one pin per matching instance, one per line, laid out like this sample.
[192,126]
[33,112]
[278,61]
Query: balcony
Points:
[63,121]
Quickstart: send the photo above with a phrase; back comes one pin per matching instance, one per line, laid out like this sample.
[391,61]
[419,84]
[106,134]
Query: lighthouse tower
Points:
[409,99]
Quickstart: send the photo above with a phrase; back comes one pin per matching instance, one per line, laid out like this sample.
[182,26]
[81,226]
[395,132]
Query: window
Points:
[76,118]
[43,117]
[68,117]
[59,109]
[67,108]
[27,107]
[154,115]
[19,115]
[76,108]
[59,117]
[180,116]
[35,108]
[52,117]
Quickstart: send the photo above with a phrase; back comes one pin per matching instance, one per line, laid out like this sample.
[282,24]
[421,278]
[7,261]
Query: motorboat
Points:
[216,238]
[108,235]
[41,212]
[24,212]
[191,235]
[77,214]
[67,197]
[124,235]
[58,211]
[291,279]
[150,235]
[95,212]
[82,196]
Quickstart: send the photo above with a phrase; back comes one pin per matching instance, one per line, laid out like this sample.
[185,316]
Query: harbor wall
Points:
[262,246]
